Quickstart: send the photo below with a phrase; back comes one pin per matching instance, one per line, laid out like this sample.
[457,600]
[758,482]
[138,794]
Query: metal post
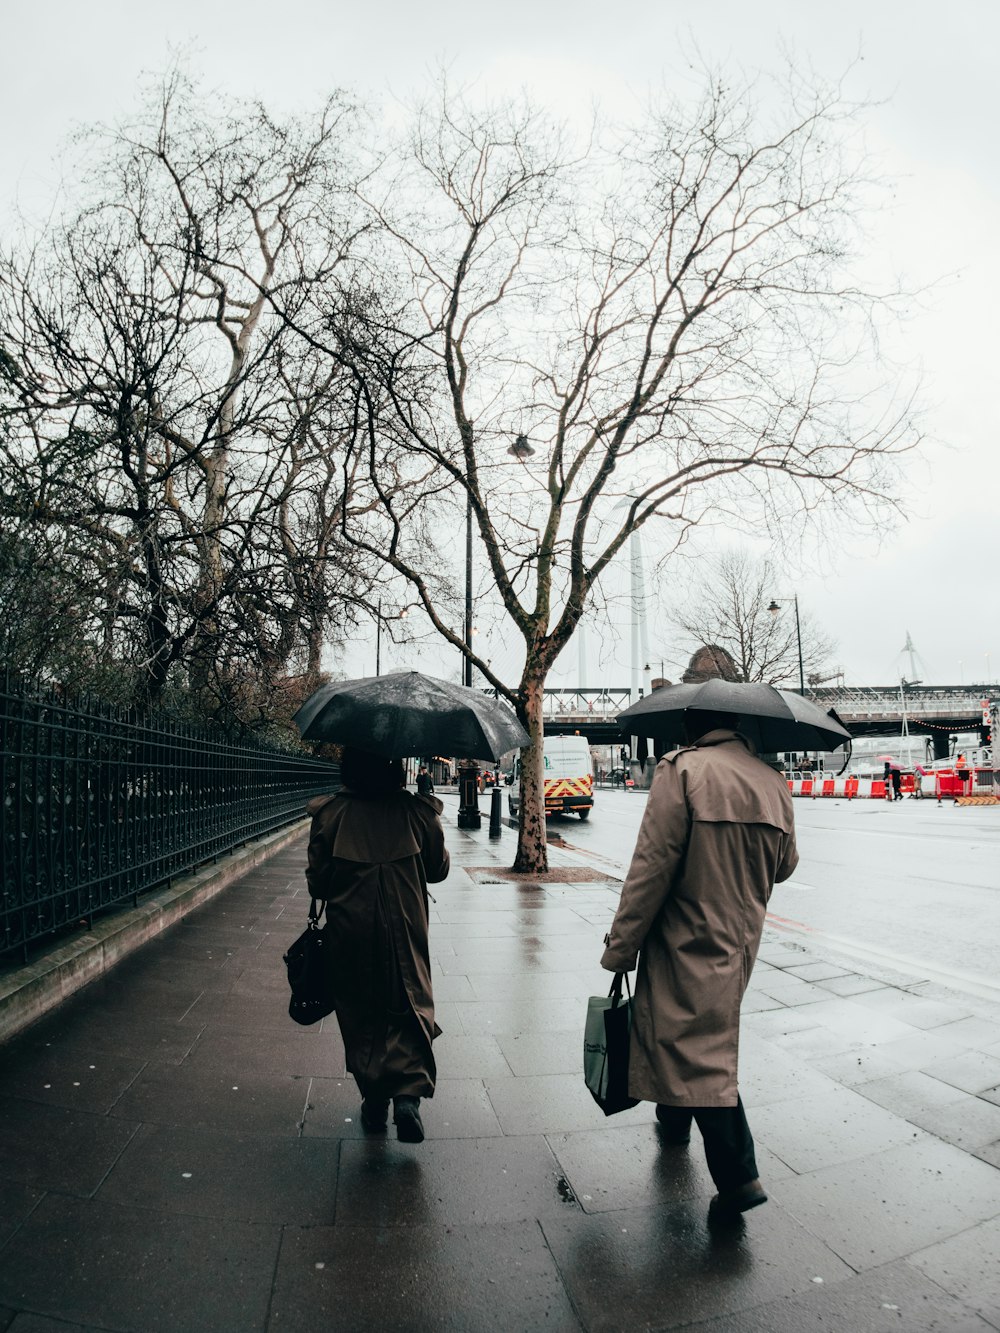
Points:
[496,812]
[798,636]
[378,638]
[467,659]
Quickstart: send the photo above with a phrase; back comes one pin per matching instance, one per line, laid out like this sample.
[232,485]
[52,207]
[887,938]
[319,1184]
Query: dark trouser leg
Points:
[728,1144]
[676,1122]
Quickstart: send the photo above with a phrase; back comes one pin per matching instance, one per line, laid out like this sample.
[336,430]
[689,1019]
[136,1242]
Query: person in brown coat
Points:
[716,835]
[373,848]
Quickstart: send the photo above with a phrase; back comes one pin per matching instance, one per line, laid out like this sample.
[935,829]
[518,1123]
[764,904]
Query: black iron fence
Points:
[100,805]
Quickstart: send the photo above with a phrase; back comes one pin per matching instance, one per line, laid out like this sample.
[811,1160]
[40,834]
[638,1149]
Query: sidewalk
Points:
[176,1155]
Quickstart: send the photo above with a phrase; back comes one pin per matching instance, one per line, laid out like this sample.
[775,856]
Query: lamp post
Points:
[774,608]
[469,816]
[468,770]
[466,658]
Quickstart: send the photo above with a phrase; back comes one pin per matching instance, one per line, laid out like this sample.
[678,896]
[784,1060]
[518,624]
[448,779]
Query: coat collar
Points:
[720,736]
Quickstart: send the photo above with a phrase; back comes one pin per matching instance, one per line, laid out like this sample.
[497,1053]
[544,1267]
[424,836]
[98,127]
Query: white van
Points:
[569,777]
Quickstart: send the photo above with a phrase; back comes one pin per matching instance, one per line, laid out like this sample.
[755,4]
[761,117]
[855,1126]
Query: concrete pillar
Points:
[941,744]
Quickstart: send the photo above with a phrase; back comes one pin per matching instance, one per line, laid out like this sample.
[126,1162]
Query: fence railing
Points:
[99,805]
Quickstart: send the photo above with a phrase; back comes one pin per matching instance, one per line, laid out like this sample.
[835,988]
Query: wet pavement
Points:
[175,1154]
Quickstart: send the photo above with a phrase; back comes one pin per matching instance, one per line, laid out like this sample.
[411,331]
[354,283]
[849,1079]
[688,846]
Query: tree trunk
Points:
[532,852]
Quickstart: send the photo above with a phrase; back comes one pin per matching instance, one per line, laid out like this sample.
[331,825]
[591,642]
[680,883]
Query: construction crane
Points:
[816,679]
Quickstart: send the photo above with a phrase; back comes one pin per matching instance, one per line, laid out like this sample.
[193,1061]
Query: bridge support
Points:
[942,744]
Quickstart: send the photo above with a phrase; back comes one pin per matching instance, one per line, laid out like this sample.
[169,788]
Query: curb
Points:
[31,991]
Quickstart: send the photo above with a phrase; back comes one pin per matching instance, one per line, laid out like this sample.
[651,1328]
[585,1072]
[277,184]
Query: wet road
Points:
[910,882]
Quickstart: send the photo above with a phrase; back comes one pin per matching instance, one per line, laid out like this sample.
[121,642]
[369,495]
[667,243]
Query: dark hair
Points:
[370,774]
[699,721]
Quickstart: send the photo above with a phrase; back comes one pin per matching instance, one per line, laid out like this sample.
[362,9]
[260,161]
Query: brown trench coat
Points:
[371,861]
[716,835]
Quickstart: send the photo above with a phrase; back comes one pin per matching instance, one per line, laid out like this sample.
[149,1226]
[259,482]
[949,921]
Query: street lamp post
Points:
[468,770]
[467,657]
[774,609]
[469,816]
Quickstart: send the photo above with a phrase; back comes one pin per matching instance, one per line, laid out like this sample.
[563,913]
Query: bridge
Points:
[878,710]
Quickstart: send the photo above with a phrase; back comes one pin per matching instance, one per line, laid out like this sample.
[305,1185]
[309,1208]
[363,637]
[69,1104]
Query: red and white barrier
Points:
[845,788]
[942,783]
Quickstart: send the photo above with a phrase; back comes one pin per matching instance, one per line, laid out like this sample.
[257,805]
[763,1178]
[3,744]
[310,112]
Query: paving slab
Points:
[16,1202]
[52,1148]
[65,1077]
[969,1123]
[305,1052]
[203,1097]
[839,1126]
[886,1300]
[226,1175]
[972,1071]
[876,1208]
[139,1270]
[460,1109]
[667,1267]
[968,1266]
[411,1279]
[34,1323]
[626,1166]
[850,984]
[450,1182]
[910,1093]
[533,1053]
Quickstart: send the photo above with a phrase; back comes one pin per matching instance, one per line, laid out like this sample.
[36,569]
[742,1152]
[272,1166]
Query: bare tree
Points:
[149,419]
[666,316]
[728,604]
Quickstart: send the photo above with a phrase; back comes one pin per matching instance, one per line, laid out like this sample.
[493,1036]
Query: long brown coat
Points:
[717,834]
[371,861]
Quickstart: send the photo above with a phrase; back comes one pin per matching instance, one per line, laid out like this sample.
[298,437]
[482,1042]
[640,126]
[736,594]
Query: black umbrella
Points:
[405,713]
[772,719]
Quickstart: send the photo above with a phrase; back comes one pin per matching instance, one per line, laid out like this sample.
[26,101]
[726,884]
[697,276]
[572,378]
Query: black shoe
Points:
[374,1116]
[729,1203]
[667,1117]
[406,1118]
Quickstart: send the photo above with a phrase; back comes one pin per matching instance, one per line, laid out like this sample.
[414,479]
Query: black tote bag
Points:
[605,1048]
[309,962]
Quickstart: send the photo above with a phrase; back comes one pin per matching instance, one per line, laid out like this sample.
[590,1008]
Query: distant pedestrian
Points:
[896,778]
[425,783]
[717,833]
[373,847]
[962,770]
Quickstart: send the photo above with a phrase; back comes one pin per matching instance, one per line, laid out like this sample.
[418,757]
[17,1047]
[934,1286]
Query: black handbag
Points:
[605,1047]
[309,962]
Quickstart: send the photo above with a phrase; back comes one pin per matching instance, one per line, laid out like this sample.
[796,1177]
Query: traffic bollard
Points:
[496,812]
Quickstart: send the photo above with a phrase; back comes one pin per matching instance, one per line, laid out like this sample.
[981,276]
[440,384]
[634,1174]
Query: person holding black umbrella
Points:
[716,835]
[373,849]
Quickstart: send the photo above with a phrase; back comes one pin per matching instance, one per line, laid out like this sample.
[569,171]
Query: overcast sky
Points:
[931,67]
